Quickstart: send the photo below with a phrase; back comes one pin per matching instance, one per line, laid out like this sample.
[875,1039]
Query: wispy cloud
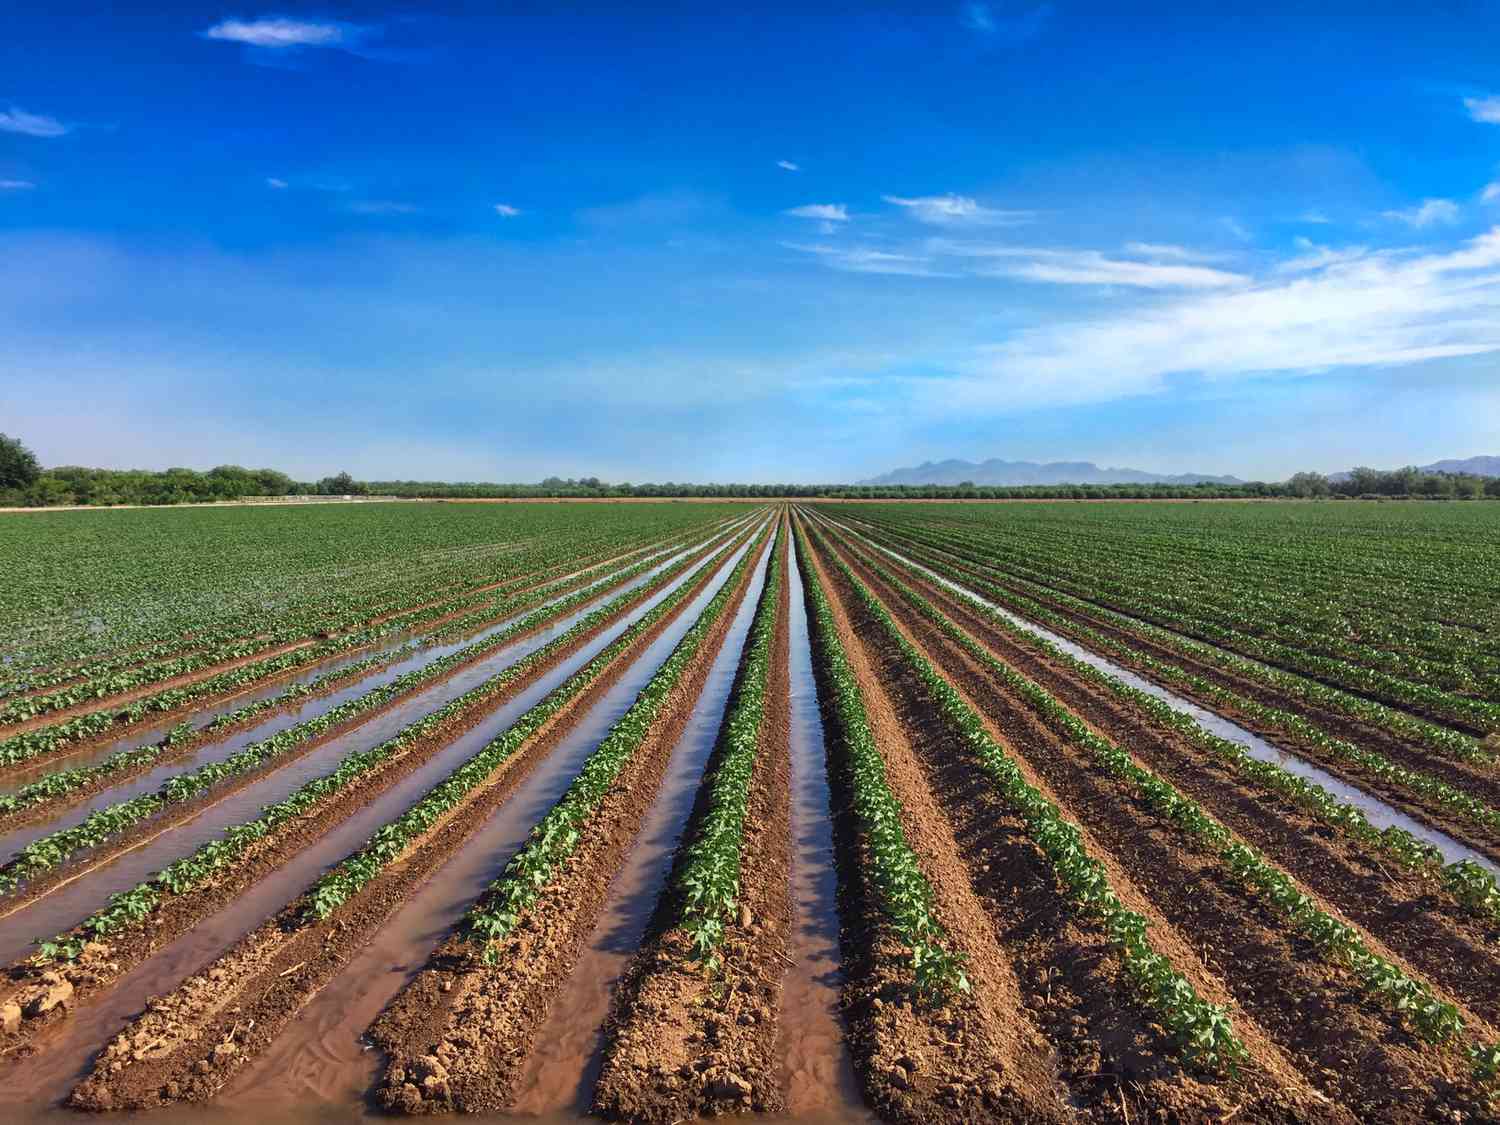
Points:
[1316,217]
[1485,109]
[828,212]
[275,184]
[279,34]
[383,207]
[788,166]
[997,24]
[1312,257]
[16,185]
[1491,193]
[17,120]
[957,210]
[1089,267]
[865,259]
[506,210]
[1430,212]
[1161,250]
[1384,309]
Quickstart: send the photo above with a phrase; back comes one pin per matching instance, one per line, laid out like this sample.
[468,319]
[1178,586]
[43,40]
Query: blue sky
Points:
[694,242]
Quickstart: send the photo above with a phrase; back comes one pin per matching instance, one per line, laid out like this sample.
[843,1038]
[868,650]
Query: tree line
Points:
[24,483]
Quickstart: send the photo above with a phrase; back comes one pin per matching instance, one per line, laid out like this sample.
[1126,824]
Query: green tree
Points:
[18,465]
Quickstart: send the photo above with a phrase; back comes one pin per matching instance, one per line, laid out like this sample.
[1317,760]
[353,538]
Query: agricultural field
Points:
[647,812]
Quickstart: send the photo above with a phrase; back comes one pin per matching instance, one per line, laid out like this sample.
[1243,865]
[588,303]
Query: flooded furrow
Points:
[426,699]
[559,1076]
[73,900]
[142,734]
[322,1054]
[820,1079]
[1379,814]
[337,1061]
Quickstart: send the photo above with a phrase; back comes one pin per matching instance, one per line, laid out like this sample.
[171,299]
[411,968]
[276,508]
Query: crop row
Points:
[1410,727]
[1409,999]
[31,744]
[131,907]
[1465,880]
[1356,670]
[903,893]
[55,848]
[1202,1028]
[709,878]
[135,586]
[390,842]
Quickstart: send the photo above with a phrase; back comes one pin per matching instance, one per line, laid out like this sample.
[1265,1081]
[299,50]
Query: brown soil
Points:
[51,807]
[160,718]
[1342,1042]
[94,975]
[188,1045]
[977,1057]
[1477,779]
[457,1036]
[1408,911]
[683,1044]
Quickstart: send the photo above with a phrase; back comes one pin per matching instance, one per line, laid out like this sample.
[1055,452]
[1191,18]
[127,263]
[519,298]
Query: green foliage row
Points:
[1465,880]
[555,838]
[131,907]
[48,852]
[1203,1029]
[904,894]
[1443,739]
[1409,999]
[1447,672]
[91,593]
[708,879]
[35,743]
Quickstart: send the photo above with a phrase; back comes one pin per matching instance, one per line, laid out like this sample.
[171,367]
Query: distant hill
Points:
[1478,466]
[1006,473]
[1474,466]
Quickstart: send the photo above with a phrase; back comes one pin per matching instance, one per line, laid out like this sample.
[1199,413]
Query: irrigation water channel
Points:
[425,698]
[74,900]
[1379,814]
[95,751]
[319,1071]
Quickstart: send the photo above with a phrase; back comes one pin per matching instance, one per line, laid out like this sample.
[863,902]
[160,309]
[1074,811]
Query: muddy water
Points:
[563,1067]
[73,901]
[1380,814]
[422,654]
[321,1055]
[224,748]
[819,1074]
[328,1061]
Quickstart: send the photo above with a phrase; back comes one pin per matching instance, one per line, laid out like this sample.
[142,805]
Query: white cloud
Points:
[1175,253]
[1314,217]
[957,210]
[1486,110]
[1430,212]
[1381,309]
[17,120]
[828,212]
[864,259]
[788,166]
[1491,193]
[1312,257]
[1236,228]
[16,185]
[383,207]
[1089,267]
[506,210]
[277,33]
[273,182]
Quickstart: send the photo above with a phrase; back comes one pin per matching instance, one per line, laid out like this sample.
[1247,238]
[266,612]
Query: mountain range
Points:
[1010,473]
[997,472]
